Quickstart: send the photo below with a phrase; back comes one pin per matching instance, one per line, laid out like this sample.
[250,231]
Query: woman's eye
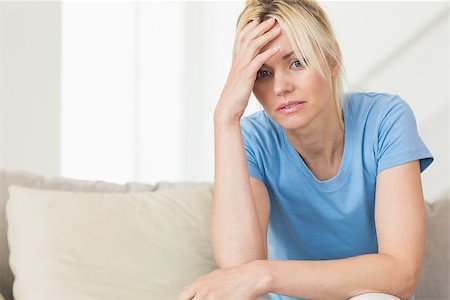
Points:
[261,74]
[297,64]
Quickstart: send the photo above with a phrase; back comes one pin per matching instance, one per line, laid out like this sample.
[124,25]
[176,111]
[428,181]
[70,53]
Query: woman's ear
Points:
[335,62]
[335,66]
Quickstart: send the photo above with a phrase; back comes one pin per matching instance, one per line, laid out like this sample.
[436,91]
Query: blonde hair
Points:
[309,32]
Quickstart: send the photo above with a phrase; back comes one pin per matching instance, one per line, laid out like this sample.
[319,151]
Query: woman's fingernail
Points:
[270,20]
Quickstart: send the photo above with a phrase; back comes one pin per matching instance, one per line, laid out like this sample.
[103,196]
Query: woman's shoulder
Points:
[261,128]
[365,103]
[257,120]
[366,98]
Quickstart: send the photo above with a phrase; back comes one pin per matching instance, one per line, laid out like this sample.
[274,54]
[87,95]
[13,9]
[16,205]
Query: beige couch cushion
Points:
[75,245]
[434,281]
[8,178]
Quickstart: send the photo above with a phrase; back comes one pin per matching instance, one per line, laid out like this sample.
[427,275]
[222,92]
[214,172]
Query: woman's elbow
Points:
[409,285]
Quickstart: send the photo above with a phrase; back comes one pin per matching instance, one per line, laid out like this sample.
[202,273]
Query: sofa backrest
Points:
[8,178]
[435,269]
[434,279]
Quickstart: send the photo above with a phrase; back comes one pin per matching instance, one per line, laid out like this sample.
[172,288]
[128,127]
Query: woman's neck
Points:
[323,142]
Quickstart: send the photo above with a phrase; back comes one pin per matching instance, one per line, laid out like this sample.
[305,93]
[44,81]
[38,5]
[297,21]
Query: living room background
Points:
[124,91]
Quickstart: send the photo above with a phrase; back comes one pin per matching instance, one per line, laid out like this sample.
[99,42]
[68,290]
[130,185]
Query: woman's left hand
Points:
[243,282]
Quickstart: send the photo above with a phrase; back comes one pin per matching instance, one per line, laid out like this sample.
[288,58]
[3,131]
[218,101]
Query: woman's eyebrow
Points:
[285,56]
[288,55]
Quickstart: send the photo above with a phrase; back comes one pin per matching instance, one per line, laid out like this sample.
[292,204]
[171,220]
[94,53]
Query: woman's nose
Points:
[282,85]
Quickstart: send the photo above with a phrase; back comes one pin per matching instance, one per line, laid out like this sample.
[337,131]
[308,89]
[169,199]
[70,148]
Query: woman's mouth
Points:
[293,107]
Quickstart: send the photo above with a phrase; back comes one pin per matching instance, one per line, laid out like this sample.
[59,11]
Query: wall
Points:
[30,86]
[396,47]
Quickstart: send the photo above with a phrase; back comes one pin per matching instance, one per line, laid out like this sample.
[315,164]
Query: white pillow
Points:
[83,245]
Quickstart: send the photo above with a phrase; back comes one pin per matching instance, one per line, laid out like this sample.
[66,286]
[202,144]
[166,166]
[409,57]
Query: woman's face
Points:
[284,79]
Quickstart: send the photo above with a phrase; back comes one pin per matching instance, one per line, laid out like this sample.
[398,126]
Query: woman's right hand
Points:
[246,62]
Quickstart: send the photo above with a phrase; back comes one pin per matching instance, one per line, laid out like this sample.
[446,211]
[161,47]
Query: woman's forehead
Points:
[286,50]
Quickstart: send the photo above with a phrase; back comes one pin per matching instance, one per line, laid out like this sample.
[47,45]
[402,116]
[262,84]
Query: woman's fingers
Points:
[256,32]
[260,30]
[261,41]
[250,26]
[252,31]
[261,58]
[187,293]
[255,47]
[240,37]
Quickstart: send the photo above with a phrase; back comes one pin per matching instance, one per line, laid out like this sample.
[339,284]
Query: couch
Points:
[131,239]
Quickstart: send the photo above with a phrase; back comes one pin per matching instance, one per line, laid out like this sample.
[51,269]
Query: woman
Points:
[336,176]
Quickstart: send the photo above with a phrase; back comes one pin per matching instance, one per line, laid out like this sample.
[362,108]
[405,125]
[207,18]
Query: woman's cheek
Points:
[317,83]
[259,95]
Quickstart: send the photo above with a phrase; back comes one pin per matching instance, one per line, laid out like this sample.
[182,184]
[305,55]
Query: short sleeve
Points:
[398,138]
[249,147]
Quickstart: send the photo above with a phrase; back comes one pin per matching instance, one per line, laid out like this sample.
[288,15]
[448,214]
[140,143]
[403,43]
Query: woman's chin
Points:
[291,123]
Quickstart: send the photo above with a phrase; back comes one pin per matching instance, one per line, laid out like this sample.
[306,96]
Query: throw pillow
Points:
[82,245]
[32,180]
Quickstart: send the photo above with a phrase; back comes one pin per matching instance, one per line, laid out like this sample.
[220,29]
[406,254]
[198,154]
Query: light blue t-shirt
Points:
[332,219]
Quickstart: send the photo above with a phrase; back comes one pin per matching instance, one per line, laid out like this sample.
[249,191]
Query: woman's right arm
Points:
[236,233]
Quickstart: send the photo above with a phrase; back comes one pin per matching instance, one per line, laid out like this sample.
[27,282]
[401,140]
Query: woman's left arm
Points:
[394,270]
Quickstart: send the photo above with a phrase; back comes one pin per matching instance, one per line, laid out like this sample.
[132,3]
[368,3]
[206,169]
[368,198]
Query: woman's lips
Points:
[292,108]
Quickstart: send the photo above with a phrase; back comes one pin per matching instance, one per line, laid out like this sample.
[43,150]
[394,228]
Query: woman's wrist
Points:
[262,274]
[222,118]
